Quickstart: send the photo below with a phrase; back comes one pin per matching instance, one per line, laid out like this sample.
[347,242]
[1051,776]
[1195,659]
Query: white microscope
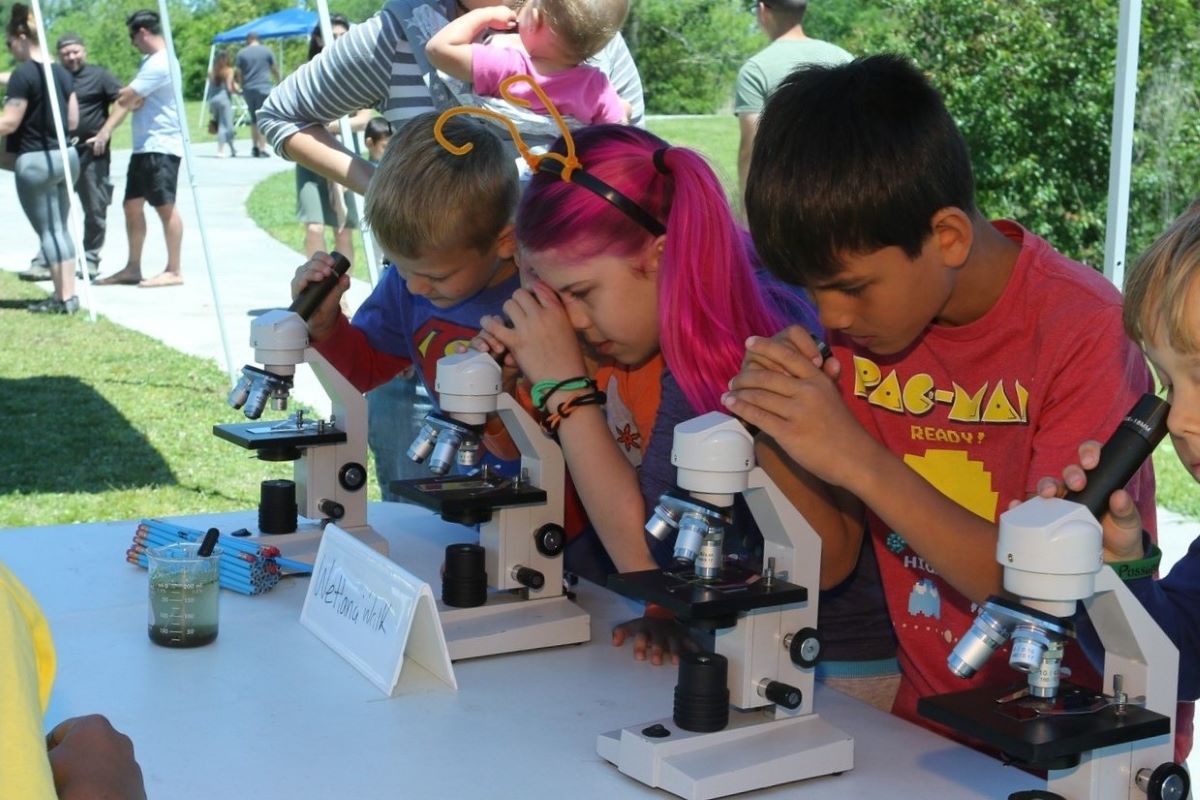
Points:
[330,456]
[504,594]
[1116,746]
[765,633]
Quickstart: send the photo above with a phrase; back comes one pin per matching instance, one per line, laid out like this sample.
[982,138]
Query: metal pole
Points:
[212,51]
[177,85]
[1121,157]
[74,212]
[349,140]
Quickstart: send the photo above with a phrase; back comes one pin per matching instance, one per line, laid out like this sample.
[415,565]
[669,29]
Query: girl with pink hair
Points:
[636,274]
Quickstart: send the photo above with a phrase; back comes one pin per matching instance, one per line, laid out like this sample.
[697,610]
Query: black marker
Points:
[210,542]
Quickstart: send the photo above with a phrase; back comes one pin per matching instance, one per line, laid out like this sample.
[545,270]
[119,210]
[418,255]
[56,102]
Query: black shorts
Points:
[254,100]
[152,177]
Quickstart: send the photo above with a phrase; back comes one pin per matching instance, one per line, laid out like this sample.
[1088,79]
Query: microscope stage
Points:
[280,434]
[1048,741]
[691,598]
[467,499]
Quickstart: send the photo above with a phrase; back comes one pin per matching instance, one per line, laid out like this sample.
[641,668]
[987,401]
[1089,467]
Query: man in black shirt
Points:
[96,90]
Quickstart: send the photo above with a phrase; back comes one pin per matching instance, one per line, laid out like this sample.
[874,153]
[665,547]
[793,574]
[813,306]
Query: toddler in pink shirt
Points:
[551,40]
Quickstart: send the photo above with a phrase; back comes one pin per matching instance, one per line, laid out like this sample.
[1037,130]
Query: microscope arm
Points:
[1135,647]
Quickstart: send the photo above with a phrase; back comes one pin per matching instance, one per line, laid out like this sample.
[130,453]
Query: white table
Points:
[268,711]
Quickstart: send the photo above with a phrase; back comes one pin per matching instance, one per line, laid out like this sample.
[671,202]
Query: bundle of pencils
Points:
[245,567]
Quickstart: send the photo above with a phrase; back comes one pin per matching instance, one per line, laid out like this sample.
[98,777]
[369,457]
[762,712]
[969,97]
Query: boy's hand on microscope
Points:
[322,321]
[796,404]
[1122,524]
[655,636]
[801,341]
[538,334]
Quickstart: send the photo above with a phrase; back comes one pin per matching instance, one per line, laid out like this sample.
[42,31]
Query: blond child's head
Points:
[1159,301]
[444,221]
[1162,313]
[581,27]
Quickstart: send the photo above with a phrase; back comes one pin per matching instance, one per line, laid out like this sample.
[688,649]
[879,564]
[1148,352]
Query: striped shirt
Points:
[381,64]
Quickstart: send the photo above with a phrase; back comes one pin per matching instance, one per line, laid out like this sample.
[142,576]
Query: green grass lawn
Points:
[105,423]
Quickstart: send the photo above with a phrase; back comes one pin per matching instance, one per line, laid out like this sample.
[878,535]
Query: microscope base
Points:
[302,545]
[508,623]
[753,752]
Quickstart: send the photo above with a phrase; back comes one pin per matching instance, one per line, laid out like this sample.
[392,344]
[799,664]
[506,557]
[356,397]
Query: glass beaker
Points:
[183,595]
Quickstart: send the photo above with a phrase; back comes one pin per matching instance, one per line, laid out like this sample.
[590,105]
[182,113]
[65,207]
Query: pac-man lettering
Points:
[918,395]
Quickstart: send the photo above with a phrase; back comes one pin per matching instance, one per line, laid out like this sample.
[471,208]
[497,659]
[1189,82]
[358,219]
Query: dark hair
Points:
[377,128]
[144,19]
[20,23]
[851,159]
[316,42]
[791,9]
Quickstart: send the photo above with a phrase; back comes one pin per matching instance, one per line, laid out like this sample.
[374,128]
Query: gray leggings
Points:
[42,189]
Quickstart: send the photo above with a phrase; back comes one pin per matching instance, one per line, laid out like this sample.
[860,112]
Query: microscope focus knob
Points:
[528,577]
[352,476]
[780,693]
[550,539]
[804,647]
[1168,781]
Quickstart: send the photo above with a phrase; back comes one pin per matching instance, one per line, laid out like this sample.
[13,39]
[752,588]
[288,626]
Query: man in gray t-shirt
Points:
[255,68]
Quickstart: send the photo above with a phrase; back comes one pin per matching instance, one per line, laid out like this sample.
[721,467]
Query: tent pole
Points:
[348,140]
[177,85]
[212,51]
[74,213]
[1121,156]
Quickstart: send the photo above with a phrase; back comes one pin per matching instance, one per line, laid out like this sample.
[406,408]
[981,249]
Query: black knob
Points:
[783,695]
[352,476]
[550,539]
[312,295]
[331,509]
[529,577]
[805,648]
[1169,781]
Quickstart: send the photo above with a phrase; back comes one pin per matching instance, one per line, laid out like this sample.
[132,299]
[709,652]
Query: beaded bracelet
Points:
[1141,567]
[541,391]
[552,421]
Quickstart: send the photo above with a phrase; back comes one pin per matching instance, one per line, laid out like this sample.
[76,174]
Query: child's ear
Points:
[506,241]
[651,255]
[954,233]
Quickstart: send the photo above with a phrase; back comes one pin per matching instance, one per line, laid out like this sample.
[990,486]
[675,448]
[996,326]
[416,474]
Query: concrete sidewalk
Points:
[252,271]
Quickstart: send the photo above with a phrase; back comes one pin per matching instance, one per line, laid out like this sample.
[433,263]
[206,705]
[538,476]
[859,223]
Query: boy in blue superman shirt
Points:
[445,222]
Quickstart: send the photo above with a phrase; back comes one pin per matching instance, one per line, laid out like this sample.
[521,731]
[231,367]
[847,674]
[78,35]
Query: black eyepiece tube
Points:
[307,301]
[1131,443]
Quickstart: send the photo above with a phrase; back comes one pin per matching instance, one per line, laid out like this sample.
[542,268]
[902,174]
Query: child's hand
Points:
[800,341]
[322,321]
[1122,524]
[656,635]
[538,334]
[796,404]
[498,18]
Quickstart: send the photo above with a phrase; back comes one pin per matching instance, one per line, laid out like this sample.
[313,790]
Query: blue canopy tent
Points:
[281,24]
[290,22]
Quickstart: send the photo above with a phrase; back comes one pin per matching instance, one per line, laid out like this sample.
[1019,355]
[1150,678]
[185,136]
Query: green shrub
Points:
[689,52]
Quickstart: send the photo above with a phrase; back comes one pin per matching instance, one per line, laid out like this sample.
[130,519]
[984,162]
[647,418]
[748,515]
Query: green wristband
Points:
[1141,568]
[541,391]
